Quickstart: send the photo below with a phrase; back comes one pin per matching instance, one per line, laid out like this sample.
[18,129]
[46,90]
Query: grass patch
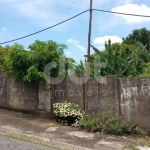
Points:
[143,141]
[108,124]
[130,147]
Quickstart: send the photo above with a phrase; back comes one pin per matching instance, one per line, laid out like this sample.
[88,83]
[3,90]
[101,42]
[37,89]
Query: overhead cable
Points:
[106,11]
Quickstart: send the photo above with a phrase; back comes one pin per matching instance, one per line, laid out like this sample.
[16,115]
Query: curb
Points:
[47,141]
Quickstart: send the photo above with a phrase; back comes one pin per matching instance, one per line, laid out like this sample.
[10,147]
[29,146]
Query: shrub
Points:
[106,123]
[67,112]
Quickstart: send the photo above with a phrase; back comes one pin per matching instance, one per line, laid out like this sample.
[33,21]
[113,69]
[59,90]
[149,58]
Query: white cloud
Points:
[100,41]
[77,44]
[73,41]
[67,52]
[3,28]
[103,39]
[133,9]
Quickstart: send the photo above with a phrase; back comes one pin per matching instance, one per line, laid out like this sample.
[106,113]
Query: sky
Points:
[22,17]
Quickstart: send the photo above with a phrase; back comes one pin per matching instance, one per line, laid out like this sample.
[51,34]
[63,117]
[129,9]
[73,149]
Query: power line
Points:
[106,11]
[46,28]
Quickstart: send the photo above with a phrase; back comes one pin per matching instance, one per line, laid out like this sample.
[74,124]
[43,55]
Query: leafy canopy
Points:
[122,62]
[141,35]
[28,66]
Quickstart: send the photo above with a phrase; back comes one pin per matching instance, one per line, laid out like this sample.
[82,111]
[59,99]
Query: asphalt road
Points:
[7,143]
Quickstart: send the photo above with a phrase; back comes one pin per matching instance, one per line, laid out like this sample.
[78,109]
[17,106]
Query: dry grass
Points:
[130,147]
[143,141]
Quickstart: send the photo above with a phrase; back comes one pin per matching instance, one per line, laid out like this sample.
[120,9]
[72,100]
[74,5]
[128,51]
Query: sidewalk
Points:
[48,132]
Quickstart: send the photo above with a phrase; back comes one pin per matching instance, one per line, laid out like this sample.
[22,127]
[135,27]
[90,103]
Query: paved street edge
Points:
[47,141]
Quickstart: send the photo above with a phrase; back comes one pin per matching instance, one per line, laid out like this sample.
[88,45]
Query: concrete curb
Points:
[47,141]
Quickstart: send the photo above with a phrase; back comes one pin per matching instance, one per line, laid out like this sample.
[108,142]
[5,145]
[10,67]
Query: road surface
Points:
[7,143]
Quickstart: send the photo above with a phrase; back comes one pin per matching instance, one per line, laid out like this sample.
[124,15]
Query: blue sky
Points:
[22,17]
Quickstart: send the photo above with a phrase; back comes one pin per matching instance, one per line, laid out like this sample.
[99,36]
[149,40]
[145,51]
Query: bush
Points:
[67,113]
[108,124]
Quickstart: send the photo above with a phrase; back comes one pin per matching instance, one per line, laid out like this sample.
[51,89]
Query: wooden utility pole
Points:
[89,39]
[88,57]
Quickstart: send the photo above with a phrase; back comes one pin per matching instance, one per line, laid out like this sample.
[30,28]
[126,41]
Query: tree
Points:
[122,62]
[114,60]
[80,68]
[141,35]
[28,66]
[137,60]
[146,71]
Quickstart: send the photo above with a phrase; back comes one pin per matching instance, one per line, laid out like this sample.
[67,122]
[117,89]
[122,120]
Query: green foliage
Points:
[108,124]
[141,35]
[29,65]
[16,62]
[137,60]
[33,75]
[115,61]
[146,72]
[80,68]
[127,61]
[46,52]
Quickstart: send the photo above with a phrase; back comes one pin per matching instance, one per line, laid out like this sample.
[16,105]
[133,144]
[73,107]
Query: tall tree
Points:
[141,35]
[29,65]
[114,60]
[121,62]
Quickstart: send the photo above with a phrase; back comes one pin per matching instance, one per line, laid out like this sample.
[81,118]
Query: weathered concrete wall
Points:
[18,95]
[129,98]
[3,89]
[135,100]
[44,98]
[102,95]
[97,94]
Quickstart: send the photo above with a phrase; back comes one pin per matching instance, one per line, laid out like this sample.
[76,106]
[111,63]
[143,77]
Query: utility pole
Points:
[89,40]
[88,56]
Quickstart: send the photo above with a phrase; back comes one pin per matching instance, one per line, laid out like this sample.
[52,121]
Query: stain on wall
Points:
[44,98]
[135,100]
